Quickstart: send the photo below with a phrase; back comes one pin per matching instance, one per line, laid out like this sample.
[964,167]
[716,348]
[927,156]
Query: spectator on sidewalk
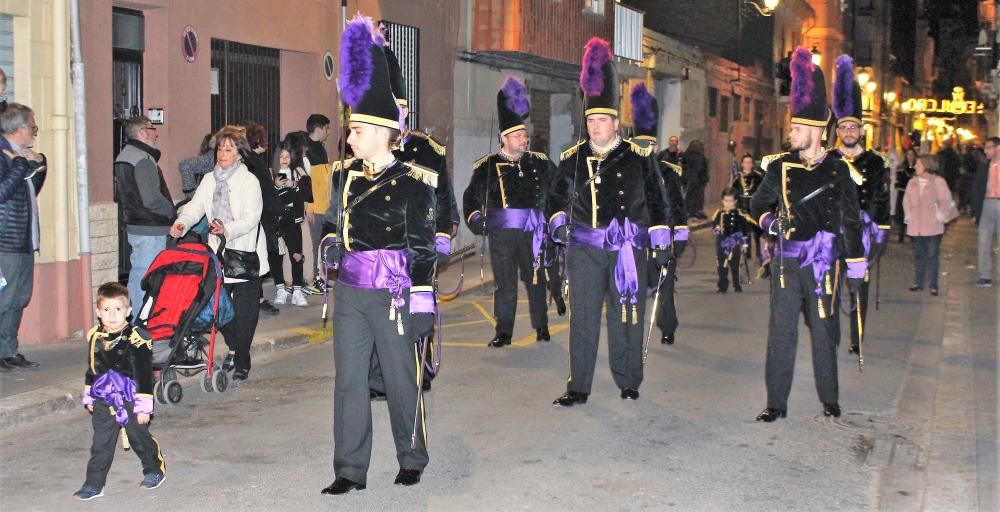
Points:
[192,169]
[318,128]
[696,171]
[949,164]
[147,208]
[927,201]
[903,176]
[317,166]
[985,204]
[256,162]
[288,175]
[673,152]
[22,173]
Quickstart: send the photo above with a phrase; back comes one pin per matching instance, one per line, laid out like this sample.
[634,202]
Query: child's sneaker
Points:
[152,481]
[281,296]
[299,298]
[89,492]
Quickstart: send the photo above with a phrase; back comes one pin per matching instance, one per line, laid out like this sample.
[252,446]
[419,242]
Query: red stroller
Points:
[183,288]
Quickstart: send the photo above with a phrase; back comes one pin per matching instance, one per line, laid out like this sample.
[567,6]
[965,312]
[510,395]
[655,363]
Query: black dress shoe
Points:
[500,340]
[19,361]
[569,398]
[560,305]
[6,367]
[738,289]
[667,339]
[376,396]
[407,477]
[542,334]
[768,415]
[853,349]
[267,307]
[831,410]
[630,394]
[342,486]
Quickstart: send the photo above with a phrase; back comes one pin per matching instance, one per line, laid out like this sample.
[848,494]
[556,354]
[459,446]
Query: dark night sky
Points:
[954,25]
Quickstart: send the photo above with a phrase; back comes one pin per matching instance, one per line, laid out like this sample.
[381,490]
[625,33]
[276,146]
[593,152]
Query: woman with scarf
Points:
[230,197]
[926,204]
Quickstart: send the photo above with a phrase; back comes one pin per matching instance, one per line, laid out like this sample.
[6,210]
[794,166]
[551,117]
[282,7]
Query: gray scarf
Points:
[220,199]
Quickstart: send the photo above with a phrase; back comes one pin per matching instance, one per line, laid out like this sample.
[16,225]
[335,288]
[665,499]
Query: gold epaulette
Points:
[481,161]
[419,172]
[92,332]
[855,175]
[539,154]
[640,150]
[747,217]
[884,157]
[137,340]
[435,145]
[337,165]
[716,214]
[673,167]
[571,151]
[767,159]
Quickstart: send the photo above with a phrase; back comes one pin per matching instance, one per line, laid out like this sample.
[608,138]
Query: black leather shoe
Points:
[426,385]
[241,374]
[560,305]
[569,398]
[342,486]
[630,394]
[667,339]
[831,410]
[500,340]
[407,477]
[19,361]
[376,396]
[738,289]
[267,307]
[853,349]
[769,415]
[542,334]
[6,367]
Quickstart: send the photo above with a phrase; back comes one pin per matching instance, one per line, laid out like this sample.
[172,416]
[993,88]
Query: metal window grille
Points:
[249,87]
[405,43]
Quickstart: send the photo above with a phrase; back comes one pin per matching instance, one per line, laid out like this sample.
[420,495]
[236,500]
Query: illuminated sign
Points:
[957,105]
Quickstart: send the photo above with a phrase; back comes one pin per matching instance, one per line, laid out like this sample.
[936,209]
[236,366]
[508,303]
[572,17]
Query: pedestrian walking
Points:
[907,169]
[985,205]
[928,206]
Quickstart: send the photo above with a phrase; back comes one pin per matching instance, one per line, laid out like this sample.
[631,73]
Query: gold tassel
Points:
[635,315]
[624,314]
[399,324]
[534,277]
[392,309]
[819,305]
[125,443]
[829,285]
[781,279]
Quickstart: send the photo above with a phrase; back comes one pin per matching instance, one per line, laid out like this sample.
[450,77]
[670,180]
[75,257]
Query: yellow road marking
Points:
[488,316]
[529,339]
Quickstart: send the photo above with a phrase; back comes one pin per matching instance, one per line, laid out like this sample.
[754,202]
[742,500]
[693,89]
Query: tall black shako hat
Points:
[597,79]
[846,92]
[364,75]
[395,77]
[645,113]
[512,106]
[808,96]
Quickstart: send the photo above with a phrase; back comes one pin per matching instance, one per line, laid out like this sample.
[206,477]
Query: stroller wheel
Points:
[220,380]
[206,382]
[158,393]
[173,392]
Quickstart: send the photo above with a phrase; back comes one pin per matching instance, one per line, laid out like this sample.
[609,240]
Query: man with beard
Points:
[817,220]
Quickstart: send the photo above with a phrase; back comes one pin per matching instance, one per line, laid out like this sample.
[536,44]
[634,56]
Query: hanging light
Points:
[871,86]
[863,78]
[817,57]
[890,97]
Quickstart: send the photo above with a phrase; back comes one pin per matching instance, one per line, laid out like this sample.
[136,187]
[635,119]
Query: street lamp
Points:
[871,86]
[764,10]
[863,78]
[817,57]
[890,97]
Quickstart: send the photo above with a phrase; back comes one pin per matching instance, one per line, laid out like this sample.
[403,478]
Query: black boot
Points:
[667,339]
[542,334]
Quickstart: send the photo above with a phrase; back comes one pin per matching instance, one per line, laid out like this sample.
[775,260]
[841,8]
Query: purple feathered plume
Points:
[843,87]
[643,113]
[379,35]
[517,96]
[356,59]
[595,54]
[802,79]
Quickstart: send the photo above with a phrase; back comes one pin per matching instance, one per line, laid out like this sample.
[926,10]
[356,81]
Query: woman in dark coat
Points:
[696,171]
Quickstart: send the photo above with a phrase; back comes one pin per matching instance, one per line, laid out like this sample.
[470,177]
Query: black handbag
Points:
[238,264]
[304,182]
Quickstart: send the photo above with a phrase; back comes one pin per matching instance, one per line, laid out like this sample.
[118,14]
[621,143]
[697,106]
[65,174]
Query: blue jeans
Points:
[144,250]
[925,254]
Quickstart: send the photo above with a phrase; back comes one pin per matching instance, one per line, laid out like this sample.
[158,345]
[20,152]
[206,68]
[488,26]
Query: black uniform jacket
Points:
[419,148]
[502,183]
[745,185]
[396,212]
[733,221]
[873,193]
[128,352]
[789,180]
[673,184]
[625,183]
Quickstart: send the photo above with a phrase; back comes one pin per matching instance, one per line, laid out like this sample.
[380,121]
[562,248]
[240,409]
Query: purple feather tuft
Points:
[356,60]
[802,79]
[595,54]
[517,96]
[843,87]
[643,113]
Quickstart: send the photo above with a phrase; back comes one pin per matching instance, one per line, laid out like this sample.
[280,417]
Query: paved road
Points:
[496,443]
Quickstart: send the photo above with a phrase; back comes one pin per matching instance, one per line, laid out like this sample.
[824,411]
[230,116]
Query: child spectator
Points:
[293,192]
[732,239]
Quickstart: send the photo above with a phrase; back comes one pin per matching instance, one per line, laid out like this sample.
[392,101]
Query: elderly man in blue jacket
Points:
[22,173]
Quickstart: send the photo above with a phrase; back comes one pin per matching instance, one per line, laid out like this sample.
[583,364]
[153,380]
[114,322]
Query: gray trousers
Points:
[591,285]
[361,325]
[783,334]
[989,226]
[510,256]
[18,268]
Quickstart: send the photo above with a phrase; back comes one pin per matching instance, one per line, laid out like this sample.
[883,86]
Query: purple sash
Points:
[524,219]
[622,237]
[820,252]
[115,389]
[870,234]
[377,270]
[732,242]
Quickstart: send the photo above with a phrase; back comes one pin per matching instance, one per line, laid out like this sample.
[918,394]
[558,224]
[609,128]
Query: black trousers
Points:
[797,295]
[292,235]
[724,268]
[666,315]
[510,256]
[591,286]
[102,449]
[240,330]
[361,327]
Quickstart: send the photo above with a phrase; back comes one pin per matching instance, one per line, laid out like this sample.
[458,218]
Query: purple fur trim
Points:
[595,54]
[843,87]
[643,110]
[355,60]
[517,96]
[802,81]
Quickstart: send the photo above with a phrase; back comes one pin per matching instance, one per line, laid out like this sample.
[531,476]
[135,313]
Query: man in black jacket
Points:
[22,173]
[146,206]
